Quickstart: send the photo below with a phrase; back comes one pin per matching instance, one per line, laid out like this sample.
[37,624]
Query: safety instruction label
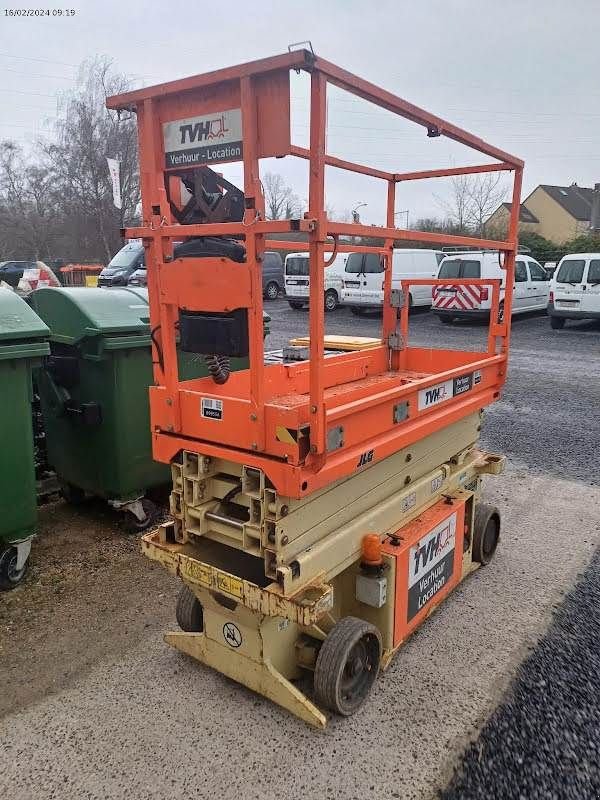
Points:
[430,565]
[211,577]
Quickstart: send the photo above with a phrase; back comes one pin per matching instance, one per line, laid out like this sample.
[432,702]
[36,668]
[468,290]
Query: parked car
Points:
[122,265]
[272,275]
[138,278]
[11,272]
[575,289]
[364,274]
[530,291]
[297,280]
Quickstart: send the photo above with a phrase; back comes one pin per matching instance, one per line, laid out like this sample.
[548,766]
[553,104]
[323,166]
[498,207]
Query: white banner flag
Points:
[114,168]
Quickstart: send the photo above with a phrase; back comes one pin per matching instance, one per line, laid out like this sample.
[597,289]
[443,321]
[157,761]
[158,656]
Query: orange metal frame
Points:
[277,417]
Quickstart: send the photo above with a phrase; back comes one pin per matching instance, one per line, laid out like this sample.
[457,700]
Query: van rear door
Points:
[570,287]
[372,288]
[590,300]
[353,279]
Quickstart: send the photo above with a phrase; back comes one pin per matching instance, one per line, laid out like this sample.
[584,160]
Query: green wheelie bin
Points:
[94,395]
[23,341]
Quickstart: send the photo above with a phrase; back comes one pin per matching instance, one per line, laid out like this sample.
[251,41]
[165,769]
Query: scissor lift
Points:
[322,508]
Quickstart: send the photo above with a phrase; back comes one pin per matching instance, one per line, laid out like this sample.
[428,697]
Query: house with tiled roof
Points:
[557,213]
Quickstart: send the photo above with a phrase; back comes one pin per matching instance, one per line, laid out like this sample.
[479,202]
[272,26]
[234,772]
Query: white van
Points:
[297,280]
[364,274]
[531,287]
[575,289]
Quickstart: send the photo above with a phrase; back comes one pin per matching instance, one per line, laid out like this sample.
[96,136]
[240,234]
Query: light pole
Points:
[396,213]
[355,214]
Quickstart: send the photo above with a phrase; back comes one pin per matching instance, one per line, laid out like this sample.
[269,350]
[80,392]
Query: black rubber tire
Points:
[446,320]
[557,323]
[10,578]
[295,305]
[501,312]
[73,495]
[189,612]
[486,533]
[134,525]
[272,291]
[347,665]
[331,300]
[357,311]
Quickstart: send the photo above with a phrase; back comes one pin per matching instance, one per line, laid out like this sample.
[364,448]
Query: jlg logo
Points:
[209,129]
[365,458]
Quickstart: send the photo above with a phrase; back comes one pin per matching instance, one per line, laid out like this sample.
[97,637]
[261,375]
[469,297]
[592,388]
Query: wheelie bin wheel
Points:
[10,576]
[347,665]
[72,494]
[189,613]
[133,524]
[486,533]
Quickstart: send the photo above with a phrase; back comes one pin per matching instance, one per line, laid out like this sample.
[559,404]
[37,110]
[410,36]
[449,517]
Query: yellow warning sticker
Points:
[196,571]
[227,583]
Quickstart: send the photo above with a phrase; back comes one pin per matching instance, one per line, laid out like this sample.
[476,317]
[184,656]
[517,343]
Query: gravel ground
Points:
[549,414]
[544,740]
[96,706]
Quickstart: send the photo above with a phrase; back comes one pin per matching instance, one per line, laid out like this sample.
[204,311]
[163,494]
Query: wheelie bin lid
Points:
[76,313]
[121,315]
[22,332]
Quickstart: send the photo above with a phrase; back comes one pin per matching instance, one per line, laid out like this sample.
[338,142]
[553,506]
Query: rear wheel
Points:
[331,300]
[272,291]
[347,665]
[486,533]
[557,323]
[501,312]
[295,305]
[10,576]
[188,612]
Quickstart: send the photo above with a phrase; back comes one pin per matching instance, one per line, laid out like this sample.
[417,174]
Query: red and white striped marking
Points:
[36,277]
[459,298]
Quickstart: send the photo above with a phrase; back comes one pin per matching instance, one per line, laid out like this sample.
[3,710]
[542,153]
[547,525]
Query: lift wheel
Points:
[486,533]
[347,665]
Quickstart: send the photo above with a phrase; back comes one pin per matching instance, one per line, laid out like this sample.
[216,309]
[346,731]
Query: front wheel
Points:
[10,576]
[347,665]
[331,300]
[557,323]
[272,291]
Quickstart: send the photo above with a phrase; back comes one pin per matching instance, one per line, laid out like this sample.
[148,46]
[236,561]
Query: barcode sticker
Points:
[211,408]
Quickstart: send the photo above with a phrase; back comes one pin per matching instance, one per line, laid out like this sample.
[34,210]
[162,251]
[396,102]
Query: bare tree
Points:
[485,193]
[86,133]
[26,209]
[472,200]
[458,205]
[280,200]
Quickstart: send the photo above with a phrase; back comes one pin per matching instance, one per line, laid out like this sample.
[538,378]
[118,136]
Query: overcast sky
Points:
[522,74]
